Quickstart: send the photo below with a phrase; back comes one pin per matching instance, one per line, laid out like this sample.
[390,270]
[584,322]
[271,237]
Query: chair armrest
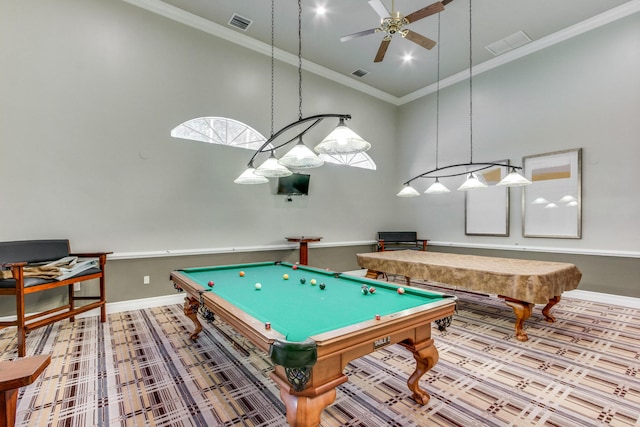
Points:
[14,264]
[380,245]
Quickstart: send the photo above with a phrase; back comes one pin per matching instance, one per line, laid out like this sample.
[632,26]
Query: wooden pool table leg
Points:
[426,356]
[191,306]
[305,408]
[522,310]
[546,311]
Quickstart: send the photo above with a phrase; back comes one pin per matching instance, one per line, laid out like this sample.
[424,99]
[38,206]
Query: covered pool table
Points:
[313,322]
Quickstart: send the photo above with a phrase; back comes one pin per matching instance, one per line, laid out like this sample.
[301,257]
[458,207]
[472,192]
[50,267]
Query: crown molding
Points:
[197,22]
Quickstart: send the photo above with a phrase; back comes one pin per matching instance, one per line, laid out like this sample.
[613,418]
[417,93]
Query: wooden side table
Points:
[304,246]
[13,375]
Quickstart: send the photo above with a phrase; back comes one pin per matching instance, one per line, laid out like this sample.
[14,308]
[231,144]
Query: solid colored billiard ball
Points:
[295,267]
[258,286]
[242,274]
[303,280]
[372,290]
[210,283]
[322,286]
[313,281]
[401,291]
[285,276]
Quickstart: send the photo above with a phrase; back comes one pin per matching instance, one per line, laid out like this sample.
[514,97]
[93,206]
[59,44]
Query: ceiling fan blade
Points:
[446,2]
[425,11]
[382,50]
[419,39]
[380,8]
[358,34]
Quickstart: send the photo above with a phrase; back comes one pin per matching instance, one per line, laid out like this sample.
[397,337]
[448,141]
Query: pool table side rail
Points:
[244,323]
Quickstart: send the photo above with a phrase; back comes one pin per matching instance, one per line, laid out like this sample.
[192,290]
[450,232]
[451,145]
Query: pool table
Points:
[313,322]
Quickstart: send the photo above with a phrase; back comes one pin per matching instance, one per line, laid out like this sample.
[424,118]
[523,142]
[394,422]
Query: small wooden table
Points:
[304,246]
[13,375]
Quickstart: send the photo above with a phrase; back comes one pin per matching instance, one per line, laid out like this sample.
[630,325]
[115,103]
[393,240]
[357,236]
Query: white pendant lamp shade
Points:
[342,140]
[473,182]
[301,157]
[437,188]
[249,177]
[408,191]
[272,169]
[514,179]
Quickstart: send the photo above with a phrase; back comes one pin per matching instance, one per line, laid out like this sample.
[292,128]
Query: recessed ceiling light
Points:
[407,57]
[321,10]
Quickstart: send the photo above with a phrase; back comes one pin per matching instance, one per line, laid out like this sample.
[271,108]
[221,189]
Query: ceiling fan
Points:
[394,22]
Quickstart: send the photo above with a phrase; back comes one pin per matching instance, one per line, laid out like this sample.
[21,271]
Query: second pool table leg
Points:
[546,311]
[522,310]
[426,356]
[191,306]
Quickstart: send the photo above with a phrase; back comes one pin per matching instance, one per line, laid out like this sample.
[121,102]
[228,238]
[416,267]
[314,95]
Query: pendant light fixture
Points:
[341,140]
[474,180]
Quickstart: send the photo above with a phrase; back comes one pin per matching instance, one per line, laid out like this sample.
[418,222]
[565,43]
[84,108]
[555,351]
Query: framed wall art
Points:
[552,204]
[487,210]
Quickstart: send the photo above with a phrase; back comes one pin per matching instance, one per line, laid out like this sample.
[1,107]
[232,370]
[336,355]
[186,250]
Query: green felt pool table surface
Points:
[301,310]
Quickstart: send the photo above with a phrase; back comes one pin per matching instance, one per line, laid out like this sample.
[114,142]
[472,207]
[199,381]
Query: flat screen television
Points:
[294,185]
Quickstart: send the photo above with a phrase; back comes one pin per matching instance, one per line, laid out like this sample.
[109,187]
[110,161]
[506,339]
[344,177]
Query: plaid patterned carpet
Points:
[141,369]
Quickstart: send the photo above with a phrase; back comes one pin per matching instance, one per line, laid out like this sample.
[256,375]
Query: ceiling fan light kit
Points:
[393,22]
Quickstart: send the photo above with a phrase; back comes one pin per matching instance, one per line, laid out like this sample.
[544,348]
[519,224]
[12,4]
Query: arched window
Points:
[220,130]
[358,160]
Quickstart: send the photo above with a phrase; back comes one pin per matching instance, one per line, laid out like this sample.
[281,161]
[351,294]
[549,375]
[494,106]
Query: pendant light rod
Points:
[480,166]
[316,119]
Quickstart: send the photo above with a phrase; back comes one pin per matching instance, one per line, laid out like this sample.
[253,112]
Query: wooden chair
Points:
[18,255]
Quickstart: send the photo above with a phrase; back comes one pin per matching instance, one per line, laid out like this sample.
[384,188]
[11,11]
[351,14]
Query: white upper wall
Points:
[90,92]
[582,93]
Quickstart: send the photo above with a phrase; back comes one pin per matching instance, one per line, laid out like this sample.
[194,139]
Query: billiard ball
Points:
[364,290]
[210,283]
[303,280]
[295,267]
[258,286]
[242,274]
[372,290]
[285,276]
[313,281]
[322,286]
[377,317]
[401,291]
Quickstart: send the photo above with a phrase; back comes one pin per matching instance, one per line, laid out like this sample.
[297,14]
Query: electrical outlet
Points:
[146,280]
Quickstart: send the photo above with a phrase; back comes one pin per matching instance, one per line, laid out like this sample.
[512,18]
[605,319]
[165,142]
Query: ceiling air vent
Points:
[508,43]
[240,22]
[360,73]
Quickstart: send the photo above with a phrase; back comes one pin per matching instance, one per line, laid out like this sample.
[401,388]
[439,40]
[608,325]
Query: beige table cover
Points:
[524,280]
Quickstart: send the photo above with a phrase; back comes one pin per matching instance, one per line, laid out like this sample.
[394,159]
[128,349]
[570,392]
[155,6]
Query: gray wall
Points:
[584,92]
[90,92]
